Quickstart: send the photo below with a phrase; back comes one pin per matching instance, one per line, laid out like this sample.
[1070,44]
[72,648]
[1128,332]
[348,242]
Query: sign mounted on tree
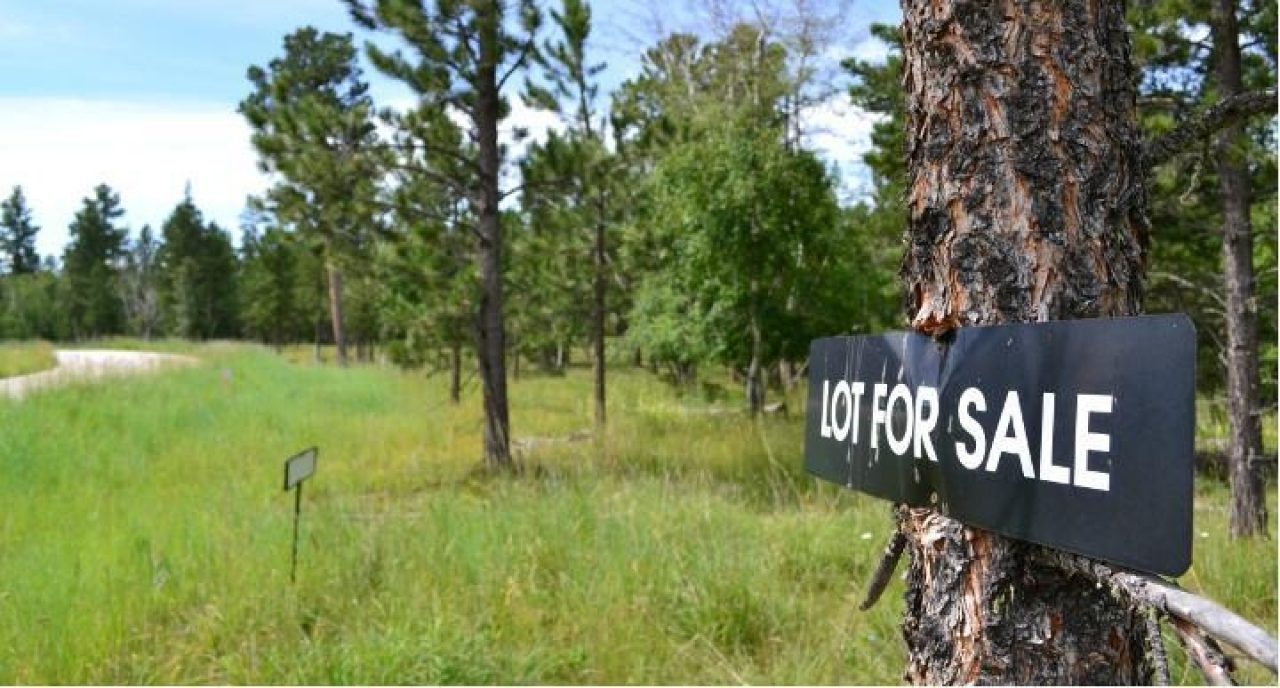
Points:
[1077,435]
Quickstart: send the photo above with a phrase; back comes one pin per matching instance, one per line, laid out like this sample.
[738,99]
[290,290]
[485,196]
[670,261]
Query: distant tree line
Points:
[682,219]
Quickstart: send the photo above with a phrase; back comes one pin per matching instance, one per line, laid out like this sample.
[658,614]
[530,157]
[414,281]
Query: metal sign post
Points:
[297,469]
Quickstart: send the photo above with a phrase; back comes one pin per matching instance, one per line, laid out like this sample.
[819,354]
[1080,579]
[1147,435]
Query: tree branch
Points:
[1155,649]
[1165,597]
[432,149]
[445,181]
[556,184]
[1204,653]
[884,570]
[515,66]
[1226,113]
[1188,284]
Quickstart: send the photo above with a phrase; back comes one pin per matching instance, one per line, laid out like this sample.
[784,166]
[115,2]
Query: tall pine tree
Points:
[311,115]
[91,265]
[463,54]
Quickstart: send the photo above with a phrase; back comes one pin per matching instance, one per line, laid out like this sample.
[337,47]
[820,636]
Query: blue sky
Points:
[141,94]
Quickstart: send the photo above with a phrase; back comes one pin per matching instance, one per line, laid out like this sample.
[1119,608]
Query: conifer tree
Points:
[312,120]
[91,265]
[462,55]
[18,234]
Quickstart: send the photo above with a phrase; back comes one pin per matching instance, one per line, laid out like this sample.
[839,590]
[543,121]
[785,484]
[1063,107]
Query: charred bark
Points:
[492,334]
[1248,505]
[1025,203]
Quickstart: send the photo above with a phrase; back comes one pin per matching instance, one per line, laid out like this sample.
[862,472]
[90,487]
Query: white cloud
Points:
[871,50]
[59,149]
[841,134]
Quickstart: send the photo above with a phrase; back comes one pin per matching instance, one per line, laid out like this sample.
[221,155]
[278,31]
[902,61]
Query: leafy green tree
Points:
[269,296]
[739,239]
[463,54]
[91,266]
[18,234]
[34,307]
[312,120]
[751,230]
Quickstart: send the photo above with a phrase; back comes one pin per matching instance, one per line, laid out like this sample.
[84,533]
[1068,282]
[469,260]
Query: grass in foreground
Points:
[22,358]
[146,539]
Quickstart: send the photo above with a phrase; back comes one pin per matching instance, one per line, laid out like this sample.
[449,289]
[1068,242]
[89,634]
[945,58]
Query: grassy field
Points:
[21,358]
[146,538]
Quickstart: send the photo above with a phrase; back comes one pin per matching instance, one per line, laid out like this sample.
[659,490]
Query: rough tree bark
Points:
[1248,505]
[1025,203]
[491,331]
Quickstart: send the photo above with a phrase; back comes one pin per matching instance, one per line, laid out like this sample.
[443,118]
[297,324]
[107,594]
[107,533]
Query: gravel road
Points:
[89,364]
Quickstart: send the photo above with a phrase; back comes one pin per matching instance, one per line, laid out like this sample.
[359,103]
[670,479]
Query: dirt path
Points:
[89,364]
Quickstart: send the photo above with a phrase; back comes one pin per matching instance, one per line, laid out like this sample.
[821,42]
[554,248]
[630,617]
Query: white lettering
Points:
[1049,470]
[925,397]
[1086,441]
[972,459]
[877,413]
[841,428]
[899,445]
[824,426]
[1015,443]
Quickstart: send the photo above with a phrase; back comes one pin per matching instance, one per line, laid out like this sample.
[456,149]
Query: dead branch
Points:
[1204,653]
[1230,111]
[884,570]
[1155,649]
[1167,598]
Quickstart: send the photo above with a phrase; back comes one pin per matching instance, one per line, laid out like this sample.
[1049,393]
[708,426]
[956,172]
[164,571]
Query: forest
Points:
[647,223]
[682,229]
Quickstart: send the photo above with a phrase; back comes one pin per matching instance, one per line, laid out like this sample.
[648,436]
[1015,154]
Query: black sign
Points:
[1077,435]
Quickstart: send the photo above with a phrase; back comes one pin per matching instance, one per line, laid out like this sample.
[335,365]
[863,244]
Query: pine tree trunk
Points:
[755,371]
[455,373]
[1248,505]
[316,357]
[492,335]
[335,311]
[1025,203]
[598,316]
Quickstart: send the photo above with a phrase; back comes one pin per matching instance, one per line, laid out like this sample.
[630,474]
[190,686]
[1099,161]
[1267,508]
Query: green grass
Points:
[1212,430]
[145,538]
[21,358]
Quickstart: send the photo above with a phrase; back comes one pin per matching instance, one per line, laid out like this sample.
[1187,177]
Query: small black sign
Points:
[299,467]
[1077,435]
